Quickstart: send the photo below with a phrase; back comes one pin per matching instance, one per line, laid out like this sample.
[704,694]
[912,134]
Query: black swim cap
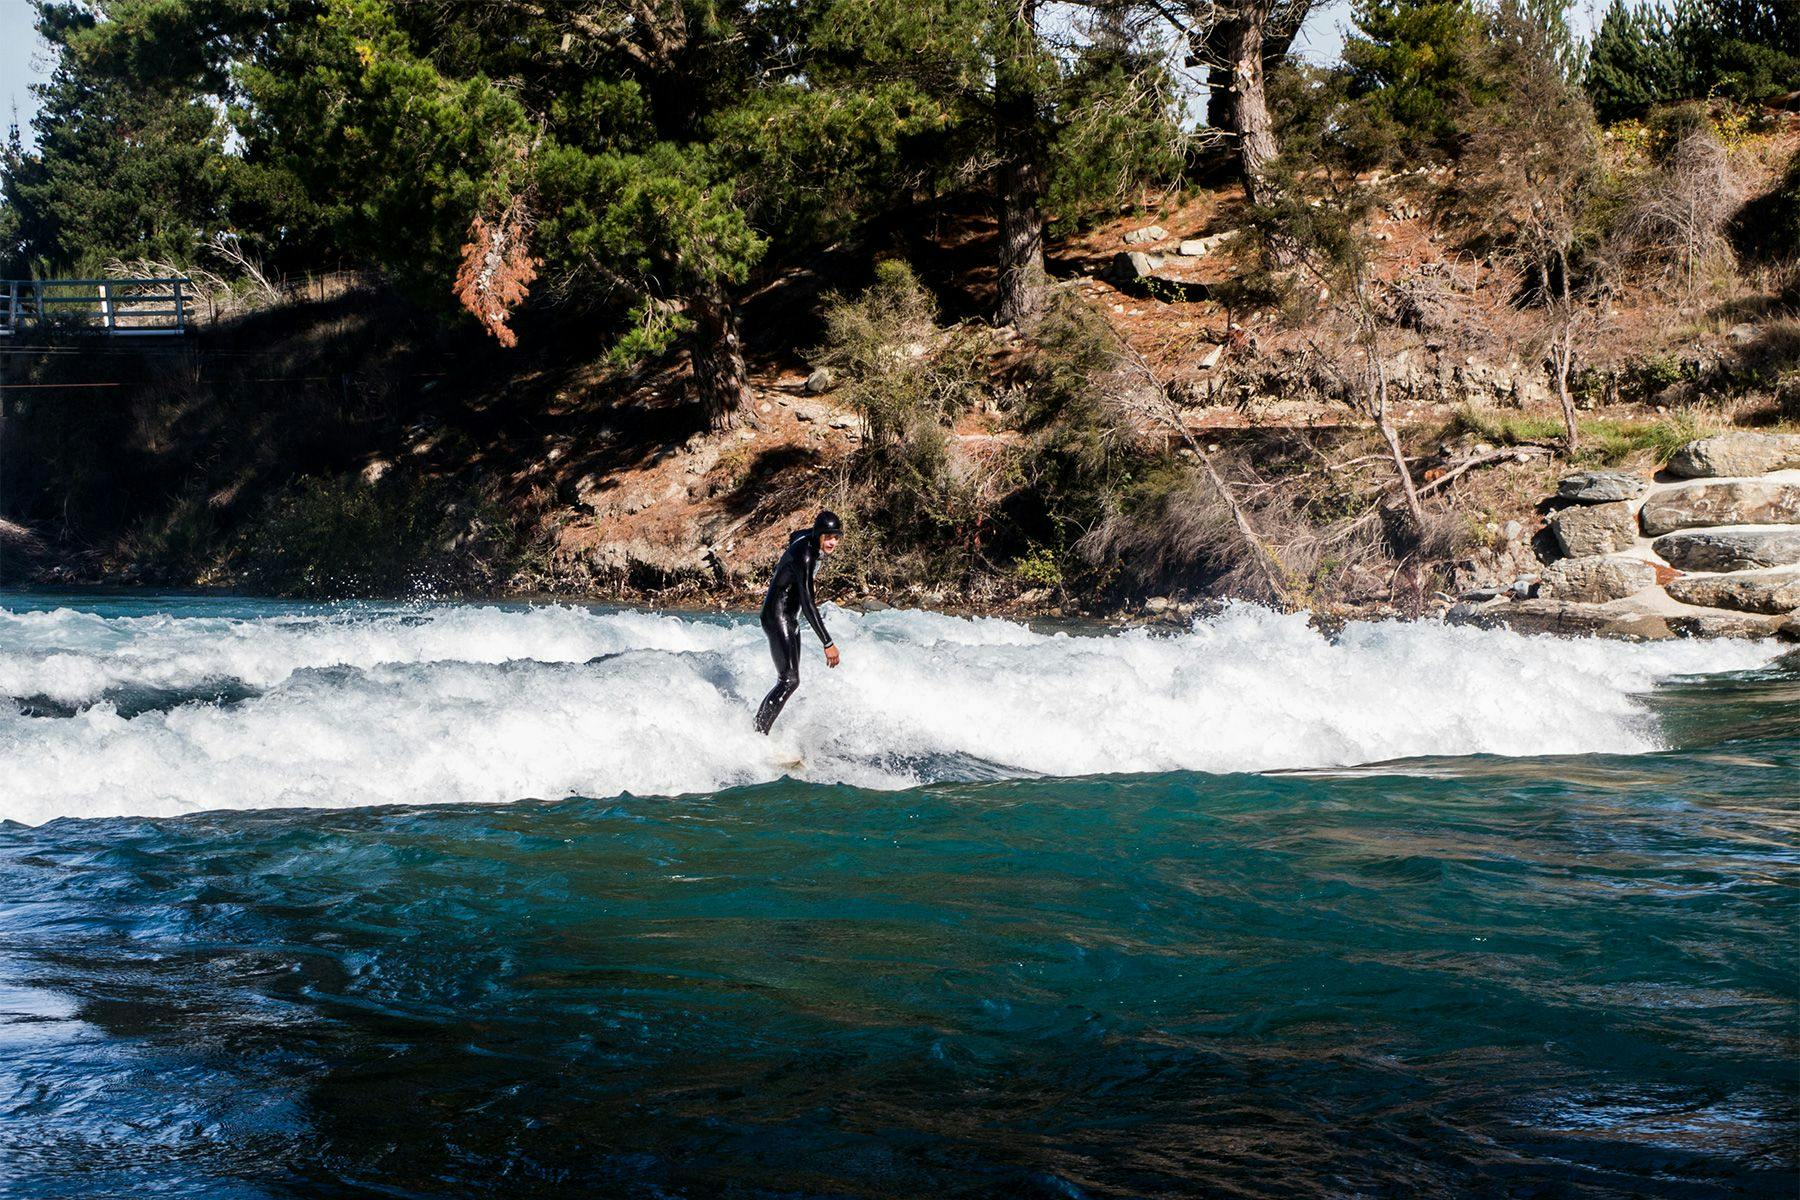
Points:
[827,522]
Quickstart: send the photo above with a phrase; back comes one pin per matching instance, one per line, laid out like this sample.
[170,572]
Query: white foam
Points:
[472,703]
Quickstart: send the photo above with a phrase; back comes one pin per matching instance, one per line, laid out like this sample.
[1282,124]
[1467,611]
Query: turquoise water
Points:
[944,963]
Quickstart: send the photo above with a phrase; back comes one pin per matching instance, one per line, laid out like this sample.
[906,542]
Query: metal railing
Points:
[116,307]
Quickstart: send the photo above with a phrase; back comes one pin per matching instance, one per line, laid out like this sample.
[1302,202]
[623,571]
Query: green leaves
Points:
[130,159]
[1647,54]
[397,156]
[1416,67]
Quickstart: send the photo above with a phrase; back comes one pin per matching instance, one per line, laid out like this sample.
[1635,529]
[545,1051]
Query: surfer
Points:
[791,593]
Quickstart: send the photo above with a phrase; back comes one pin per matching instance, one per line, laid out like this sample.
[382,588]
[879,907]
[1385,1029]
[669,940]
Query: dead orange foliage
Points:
[497,270]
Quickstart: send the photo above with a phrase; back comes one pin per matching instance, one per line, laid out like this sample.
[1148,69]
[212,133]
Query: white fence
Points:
[117,307]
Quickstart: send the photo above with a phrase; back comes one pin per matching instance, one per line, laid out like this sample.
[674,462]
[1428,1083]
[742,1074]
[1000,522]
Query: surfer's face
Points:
[828,543]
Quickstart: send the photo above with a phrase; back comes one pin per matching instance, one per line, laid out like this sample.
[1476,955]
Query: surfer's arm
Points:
[808,604]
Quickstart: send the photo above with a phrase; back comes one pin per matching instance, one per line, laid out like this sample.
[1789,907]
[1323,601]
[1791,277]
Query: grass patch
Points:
[1604,441]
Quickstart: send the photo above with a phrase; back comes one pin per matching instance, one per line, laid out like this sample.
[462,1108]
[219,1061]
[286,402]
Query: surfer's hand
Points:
[831,656]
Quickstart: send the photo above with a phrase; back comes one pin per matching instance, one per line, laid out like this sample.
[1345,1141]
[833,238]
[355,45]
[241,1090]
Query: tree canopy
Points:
[638,163]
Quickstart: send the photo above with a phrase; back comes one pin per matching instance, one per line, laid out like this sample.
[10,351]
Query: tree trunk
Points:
[1278,39]
[1379,405]
[1020,289]
[721,379]
[1240,38]
[1564,351]
[1019,182]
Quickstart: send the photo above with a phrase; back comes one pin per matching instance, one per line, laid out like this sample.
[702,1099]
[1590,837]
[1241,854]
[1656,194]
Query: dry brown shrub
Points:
[1676,227]
[497,270]
[1188,537]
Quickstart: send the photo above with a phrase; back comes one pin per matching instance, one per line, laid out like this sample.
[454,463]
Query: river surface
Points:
[489,900]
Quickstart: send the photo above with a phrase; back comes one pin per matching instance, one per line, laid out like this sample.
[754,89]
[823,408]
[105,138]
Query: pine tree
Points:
[1633,61]
[129,162]
[1748,50]
[1027,102]
[1416,71]
[591,156]
[1644,54]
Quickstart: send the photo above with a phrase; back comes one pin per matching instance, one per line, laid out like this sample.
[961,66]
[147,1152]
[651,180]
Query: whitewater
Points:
[107,715]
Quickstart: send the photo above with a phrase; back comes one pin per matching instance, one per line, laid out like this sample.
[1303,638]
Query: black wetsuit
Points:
[790,593]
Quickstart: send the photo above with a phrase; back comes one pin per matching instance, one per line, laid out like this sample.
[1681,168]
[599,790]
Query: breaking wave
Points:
[159,715]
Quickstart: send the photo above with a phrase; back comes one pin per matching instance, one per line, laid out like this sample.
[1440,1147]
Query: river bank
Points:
[1112,467]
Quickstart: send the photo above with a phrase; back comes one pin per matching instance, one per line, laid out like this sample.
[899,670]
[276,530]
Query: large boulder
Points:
[1596,578]
[1748,502]
[1728,549]
[1599,487]
[1775,591]
[1727,624]
[1737,454]
[1563,617]
[1135,271]
[1594,528]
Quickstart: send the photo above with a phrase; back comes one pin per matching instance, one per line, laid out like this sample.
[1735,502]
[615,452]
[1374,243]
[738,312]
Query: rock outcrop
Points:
[1732,502]
[1769,592]
[1590,529]
[1717,557]
[1730,454]
[1731,548]
[1598,487]
[1597,578]
[1137,273]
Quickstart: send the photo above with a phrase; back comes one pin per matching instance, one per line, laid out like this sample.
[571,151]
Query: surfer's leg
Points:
[784,648]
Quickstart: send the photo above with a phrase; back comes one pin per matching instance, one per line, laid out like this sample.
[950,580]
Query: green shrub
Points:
[179,542]
[1042,568]
[1078,438]
[1652,375]
[907,377]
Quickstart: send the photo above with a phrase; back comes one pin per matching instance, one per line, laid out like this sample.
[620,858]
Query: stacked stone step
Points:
[1725,535]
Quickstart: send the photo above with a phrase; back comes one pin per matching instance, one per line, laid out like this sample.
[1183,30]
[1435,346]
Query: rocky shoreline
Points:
[1709,547]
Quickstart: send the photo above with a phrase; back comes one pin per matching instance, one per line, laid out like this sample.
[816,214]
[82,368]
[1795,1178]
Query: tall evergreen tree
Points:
[1646,54]
[130,157]
[1633,61]
[580,131]
[395,156]
[984,68]
[1416,70]
[1027,102]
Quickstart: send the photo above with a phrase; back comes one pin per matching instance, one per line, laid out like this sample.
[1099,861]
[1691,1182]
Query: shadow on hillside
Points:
[778,480]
